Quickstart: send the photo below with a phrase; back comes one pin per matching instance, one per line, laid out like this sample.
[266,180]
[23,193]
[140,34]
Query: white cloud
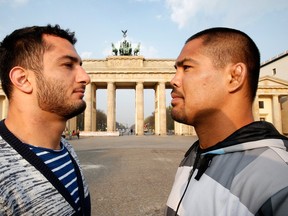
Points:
[146,0]
[183,10]
[86,55]
[148,51]
[108,49]
[248,11]
[15,3]
[227,11]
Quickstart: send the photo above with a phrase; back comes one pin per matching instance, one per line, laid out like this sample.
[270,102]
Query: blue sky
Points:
[161,26]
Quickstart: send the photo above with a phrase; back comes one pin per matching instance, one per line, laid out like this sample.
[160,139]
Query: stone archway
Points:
[128,72]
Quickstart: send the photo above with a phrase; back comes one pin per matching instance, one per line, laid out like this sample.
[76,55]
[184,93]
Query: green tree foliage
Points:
[149,122]
[101,120]
[120,126]
[169,120]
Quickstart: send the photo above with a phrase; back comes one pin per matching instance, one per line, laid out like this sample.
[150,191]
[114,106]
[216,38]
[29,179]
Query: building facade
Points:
[271,102]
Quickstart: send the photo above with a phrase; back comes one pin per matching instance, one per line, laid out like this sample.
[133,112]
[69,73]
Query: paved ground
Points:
[130,175]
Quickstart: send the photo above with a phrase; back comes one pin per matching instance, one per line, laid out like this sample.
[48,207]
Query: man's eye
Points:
[186,67]
[68,65]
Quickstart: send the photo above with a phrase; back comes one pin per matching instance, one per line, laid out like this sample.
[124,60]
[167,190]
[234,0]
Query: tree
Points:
[120,126]
[150,120]
[101,120]
[169,120]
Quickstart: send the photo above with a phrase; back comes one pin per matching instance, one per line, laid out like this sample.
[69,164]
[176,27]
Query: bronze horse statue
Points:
[125,48]
[137,50]
[114,50]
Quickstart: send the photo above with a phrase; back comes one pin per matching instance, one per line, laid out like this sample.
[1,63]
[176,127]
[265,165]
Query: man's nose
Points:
[175,81]
[83,77]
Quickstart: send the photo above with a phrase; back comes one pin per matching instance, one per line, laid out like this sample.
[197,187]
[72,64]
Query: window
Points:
[274,71]
[261,104]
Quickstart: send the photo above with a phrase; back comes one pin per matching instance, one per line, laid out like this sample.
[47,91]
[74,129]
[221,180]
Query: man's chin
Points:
[76,111]
[178,118]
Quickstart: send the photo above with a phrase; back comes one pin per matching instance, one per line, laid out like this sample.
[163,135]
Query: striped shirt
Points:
[61,165]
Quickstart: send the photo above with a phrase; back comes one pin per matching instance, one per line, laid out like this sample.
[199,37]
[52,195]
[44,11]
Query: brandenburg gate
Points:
[129,72]
[126,70]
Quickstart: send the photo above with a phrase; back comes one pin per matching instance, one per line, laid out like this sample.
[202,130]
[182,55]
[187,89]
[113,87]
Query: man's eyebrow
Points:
[71,58]
[181,62]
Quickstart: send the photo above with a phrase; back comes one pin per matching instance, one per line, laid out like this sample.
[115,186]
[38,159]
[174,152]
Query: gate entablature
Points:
[129,68]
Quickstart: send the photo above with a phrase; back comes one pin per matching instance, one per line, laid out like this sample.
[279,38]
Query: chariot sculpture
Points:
[125,48]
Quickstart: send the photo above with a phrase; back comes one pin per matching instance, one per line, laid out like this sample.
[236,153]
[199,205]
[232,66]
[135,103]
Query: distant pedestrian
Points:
[78,133]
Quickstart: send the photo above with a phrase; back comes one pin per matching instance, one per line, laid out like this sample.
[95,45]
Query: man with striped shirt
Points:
[42,77]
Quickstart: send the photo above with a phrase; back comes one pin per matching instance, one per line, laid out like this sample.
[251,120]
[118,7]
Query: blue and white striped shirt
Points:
[61,165]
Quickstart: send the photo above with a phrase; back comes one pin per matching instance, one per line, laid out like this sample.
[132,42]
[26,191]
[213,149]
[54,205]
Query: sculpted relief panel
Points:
[124,62]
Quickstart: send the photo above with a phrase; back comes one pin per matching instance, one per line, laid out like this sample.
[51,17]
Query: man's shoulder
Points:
[4,146]
[69,147]
[67,144]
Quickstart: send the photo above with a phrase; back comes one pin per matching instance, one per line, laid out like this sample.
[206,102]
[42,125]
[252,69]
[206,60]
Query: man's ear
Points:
[19,78]
[237,77]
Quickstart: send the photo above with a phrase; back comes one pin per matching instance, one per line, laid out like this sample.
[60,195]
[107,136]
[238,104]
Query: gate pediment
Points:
[272,82]
[268,85]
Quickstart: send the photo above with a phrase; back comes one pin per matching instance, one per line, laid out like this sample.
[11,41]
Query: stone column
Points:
[160,110]
[3,106]
[177,128]
[94,107]
[111,107]
[255,108]
[156,112]
[6,106]
[139,104]
[88,110]
[277,120]
[183,129]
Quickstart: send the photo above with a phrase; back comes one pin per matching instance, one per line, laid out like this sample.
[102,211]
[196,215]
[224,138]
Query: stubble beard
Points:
[51,98]
[178,115]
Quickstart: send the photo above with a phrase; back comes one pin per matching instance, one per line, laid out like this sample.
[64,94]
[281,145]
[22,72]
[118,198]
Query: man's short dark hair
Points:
[226,45]
[25,47]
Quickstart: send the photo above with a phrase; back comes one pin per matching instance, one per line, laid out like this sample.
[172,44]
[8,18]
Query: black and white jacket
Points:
[29,187]
[246,174]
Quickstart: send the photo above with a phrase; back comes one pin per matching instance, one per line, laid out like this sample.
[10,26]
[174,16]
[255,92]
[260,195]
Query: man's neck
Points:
[35,131]
[210,134]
